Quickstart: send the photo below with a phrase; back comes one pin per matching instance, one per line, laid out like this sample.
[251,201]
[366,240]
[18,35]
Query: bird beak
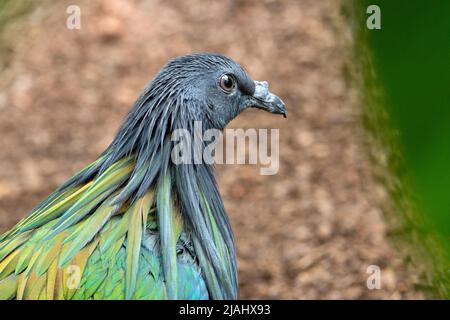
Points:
[266,100]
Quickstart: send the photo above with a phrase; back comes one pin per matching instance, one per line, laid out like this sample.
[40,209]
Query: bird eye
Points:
[226,83]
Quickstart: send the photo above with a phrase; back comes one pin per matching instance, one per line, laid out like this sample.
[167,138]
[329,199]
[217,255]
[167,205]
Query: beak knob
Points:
[268,101]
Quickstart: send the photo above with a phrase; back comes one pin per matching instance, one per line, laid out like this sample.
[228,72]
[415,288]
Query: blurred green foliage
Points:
[406,71]
[11,10]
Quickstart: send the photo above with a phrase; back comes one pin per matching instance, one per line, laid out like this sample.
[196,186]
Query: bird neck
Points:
[193,189]
[145,136]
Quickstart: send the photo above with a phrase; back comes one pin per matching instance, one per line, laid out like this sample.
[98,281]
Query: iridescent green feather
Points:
[116,248]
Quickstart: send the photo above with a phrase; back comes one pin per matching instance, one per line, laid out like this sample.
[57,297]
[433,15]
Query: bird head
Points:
[213,88]
[207,88]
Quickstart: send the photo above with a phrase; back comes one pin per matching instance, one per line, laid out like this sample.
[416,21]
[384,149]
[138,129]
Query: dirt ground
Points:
[309,232]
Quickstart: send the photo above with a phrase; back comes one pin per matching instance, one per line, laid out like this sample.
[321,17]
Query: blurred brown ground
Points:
[308,232]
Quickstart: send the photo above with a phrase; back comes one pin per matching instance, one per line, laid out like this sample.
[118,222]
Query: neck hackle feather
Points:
[132,214]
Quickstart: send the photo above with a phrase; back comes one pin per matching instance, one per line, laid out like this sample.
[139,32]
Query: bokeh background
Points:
[309,232]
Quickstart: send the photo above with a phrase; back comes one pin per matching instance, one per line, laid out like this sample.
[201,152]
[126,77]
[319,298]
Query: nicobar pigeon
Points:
[133,224]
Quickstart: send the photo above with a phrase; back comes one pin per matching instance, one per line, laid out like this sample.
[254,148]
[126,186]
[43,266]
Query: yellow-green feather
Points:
[139,212]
